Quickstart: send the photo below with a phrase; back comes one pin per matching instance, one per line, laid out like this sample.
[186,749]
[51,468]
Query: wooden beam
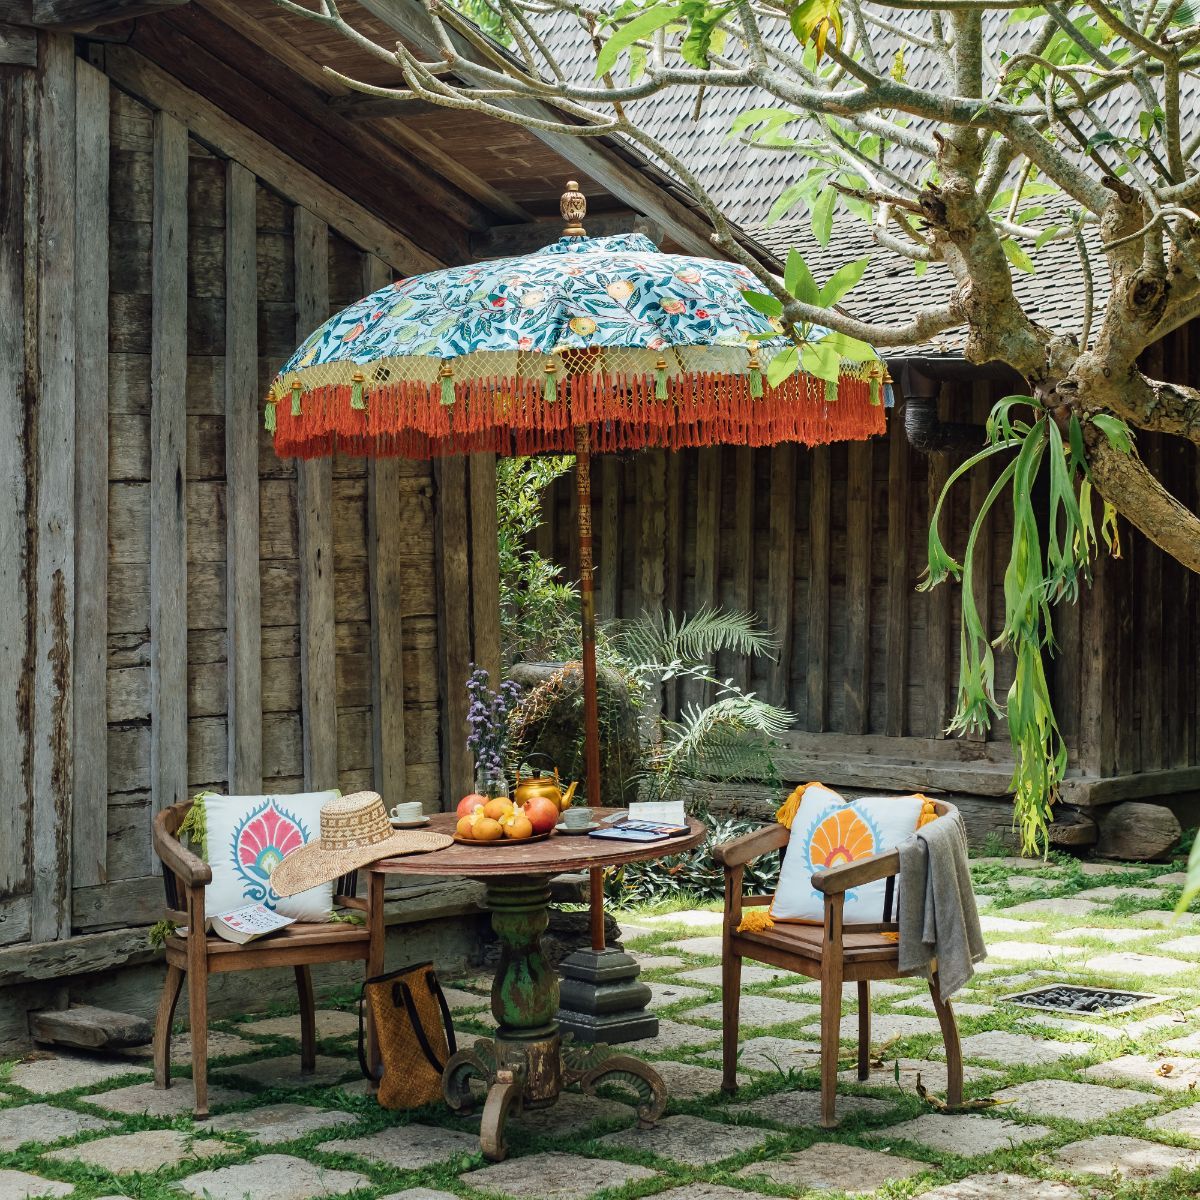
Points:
[242,416]
[141,77]
[314,499]
[598,161]
[608,526]
[80,15]
[707,552]
[981,484]
[781,563]
[937,609]
[485,565]
[859,456]
[358,106]
[18,46]
[51,553]
[18,384]
[741,592]
[817,667]
[385,544]
[899,583]
[168,454]
[90,803]
[501,241]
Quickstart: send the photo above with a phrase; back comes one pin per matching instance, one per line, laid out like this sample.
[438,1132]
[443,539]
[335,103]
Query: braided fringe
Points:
[622,411]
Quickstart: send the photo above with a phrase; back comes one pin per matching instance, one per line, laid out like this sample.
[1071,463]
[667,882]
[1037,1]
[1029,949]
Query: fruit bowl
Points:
[503,841]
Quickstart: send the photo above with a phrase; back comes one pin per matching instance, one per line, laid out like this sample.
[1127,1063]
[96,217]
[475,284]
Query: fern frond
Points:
[731,738]
[659,639]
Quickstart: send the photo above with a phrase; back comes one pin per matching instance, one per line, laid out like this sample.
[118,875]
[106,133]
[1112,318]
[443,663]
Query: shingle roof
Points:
[746,180]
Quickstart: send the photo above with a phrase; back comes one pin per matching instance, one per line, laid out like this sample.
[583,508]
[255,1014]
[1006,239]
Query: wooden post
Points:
[385,529]
[818,590]
[314,499]
[242,417]
[981,484]
[859,457]
[937,611]
[485,564]
[899,582]
[608,597]
[52,538]
[741,595]
[708,536]
[780,568]
[454,630]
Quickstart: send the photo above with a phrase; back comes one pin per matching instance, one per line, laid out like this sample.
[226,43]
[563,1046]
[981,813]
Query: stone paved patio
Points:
[1086,1108]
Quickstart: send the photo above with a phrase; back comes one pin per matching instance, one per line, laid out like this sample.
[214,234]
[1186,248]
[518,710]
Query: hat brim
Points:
[315,864]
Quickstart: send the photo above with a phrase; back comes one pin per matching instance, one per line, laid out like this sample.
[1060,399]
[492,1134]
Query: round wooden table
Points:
[527,1062]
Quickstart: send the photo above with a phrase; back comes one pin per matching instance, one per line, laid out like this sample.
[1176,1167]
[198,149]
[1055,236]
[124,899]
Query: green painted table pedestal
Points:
[528,1063]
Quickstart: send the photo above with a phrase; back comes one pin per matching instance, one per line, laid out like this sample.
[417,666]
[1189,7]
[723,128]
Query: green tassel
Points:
[831,391]
[296,399]
[660,380]
[195,825]
[447,378]
[875,387]
[550,384]
[756,383]
[269,416]
[356,392]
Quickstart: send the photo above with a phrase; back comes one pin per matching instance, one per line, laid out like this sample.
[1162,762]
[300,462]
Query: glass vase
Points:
[491,782]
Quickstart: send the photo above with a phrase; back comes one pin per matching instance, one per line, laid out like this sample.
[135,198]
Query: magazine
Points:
[639,831]
[242,925]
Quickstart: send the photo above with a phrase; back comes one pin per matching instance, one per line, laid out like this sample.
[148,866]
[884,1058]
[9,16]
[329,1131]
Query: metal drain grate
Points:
[1079,998]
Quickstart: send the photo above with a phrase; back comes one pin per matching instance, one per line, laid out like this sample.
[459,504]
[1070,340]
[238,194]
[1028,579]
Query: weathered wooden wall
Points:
[179,608]
[827,547]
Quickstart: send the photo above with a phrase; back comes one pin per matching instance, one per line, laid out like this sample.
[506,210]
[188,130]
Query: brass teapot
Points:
[538,782]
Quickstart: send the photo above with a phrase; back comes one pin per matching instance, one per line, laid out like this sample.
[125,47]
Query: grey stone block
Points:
[180,1097]
[20,1185]
[830,1166]
[408,1147]
[1071,1100]
[963,1134]
[277,1123]
[43,1123]
[272,1177]
[689,1140]
[146,1150]
[552,1176]
[1132,1157]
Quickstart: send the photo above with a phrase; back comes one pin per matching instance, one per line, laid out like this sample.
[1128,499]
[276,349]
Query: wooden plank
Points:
[673,567]
[243,609]
[454,632]
[18,47]
[90,14]
[741,594]
[706,558]
[207,122]
[18,375]
[1098,707]
[608,525]
[899,579]
[781,569]
[168,437]
[485,565]
[859,458]
[314,500]
[937,613]
[386,549]
[980,485]
[52,539]
[89,814]
[819,503]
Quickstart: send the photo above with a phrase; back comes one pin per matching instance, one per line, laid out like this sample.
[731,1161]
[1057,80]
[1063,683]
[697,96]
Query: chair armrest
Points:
[749,846]
[192,870]
[852,874]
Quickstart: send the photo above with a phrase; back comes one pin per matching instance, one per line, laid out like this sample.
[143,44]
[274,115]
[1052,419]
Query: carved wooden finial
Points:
[573,207]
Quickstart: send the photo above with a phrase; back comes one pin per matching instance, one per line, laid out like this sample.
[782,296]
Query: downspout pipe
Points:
[927,433]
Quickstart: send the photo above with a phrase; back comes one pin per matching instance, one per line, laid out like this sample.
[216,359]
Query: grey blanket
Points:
[939,923]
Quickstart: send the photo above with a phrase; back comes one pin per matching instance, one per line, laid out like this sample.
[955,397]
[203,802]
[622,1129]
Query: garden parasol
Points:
[592,344]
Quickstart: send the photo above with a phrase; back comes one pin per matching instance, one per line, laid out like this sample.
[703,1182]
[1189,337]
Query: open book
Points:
[242,925]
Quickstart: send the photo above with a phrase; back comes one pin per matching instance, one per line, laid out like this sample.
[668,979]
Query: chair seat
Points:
[807,941]
[302,935]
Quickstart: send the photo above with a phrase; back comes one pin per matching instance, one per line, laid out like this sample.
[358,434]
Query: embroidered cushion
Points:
[247,837]
[829,830]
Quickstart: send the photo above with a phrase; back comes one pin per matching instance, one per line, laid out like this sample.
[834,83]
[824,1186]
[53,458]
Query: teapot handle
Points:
[539,754]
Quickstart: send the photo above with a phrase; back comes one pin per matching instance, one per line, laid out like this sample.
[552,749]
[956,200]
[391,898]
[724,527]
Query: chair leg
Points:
[731,996]
[308,1021]
[172,986]
[831,1033]
[864,1030]
[954,1066]
[198,1020]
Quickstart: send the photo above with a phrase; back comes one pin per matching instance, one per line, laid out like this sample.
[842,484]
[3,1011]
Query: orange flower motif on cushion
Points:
[839,836]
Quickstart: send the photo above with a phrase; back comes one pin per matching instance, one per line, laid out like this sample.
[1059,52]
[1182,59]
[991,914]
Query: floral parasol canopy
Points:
[645,349]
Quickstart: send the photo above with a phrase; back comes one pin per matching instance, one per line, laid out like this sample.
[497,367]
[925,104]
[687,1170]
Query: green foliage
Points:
[1050,554]
[486,16]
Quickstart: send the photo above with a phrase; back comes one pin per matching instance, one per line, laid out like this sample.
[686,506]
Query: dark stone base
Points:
[602,999]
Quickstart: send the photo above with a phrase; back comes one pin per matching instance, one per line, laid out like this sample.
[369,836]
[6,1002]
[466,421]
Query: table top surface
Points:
[559,852]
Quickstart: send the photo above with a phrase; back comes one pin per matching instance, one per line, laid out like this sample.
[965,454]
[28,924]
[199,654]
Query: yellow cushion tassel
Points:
[791,806]
[756,920]
[928,812]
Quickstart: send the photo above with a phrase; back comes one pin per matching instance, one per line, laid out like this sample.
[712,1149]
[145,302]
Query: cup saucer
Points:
[563,827]
[395,824]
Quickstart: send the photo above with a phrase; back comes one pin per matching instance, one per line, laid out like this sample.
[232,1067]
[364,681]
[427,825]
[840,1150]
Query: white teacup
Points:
[410,810]
[577,818]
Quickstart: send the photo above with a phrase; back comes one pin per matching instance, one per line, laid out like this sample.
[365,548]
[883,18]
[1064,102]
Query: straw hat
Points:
[355,830]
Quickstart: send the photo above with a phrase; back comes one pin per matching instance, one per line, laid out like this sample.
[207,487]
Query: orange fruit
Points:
[517,827]
[464,827]
[498,809]
[487,829]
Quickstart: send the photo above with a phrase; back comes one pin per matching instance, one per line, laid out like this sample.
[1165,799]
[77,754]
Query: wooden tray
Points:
[503,841]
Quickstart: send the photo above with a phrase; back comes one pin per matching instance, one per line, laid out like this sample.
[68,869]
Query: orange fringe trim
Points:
[622,412]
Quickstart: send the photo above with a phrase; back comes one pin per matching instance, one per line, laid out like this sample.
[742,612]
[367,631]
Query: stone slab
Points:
[1070,1100]
[1188,944]
[20,1185]
[1188,1044]
[285,1071]
[43,1123]
[1012,862]
[57,1072]
[1163,917]
[710,946]
[967,1135]
[1032,883]
[932,1075]
[686,1081]
[675,1035]
[773,1055]
[696,918]
[1179,1120]
[884,1027]
[1183,1076]
[1055,906]
[752,973]
[1112,868]
[146,1150]
[1002,1186]
[220,1045]
[275,1123]
[572,1113]
[664,994]
[636,933]
[831,1166]
[804,1108]
[1173,879]
[1132,1157]
[331,1023]
[1128,964]
[1116,891]
[272,1177]
[420,1194]
[758,1010]
[551,1176]
[1113,936]
[457,1000]
[708,1191]
[990,923]
[690,1140]
[180,1097]
[408,1147]
[1013,1049]
[663,962]
[1031,951]
[962,1008]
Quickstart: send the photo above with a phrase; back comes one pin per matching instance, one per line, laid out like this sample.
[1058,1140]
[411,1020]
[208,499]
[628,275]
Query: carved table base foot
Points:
[588,1066]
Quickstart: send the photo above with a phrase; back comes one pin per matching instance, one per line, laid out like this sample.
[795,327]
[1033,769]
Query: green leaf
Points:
[814,20]
[782,365]
[849,349]
[1117,432]
[764,303]
[1017,256]
[842,281]
[1047,235]
[641,26]
[798,280]
[790,197]
[702,32]
[822,360]
[822,216]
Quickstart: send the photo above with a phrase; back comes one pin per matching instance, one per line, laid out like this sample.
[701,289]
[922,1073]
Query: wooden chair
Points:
[198,955]
[833,953]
